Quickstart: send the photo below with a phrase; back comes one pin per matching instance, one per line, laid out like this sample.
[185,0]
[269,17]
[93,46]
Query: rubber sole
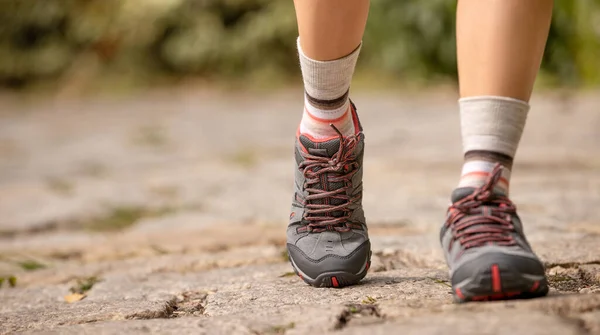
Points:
[336,279]
[500,283]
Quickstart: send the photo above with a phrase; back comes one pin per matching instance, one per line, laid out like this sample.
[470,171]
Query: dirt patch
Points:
[366,313]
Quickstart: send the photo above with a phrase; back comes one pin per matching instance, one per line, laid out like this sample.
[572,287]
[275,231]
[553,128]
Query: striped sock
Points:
[491,131]
[316,120]
[479,165]
[327,85]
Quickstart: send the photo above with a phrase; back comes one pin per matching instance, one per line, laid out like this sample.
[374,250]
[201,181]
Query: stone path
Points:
[167,214]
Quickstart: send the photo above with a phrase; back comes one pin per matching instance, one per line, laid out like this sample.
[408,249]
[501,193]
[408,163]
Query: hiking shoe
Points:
[486,249]
[327,238]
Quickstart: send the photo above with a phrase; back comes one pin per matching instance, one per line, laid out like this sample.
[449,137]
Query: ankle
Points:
[491,128]
[319,126]
[478,167]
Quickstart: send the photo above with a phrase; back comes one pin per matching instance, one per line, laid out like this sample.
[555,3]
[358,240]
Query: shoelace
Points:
[339,168]
[489,216]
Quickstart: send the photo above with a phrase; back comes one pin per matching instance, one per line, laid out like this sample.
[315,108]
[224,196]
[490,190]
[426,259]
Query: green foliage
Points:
[229,38]
[31,41]
[83,285]
[250,40]
[122,217]
[573,46]
[12,281]
[411,38]
[31,265]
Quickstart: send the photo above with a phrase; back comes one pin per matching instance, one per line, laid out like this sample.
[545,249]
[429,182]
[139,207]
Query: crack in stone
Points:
[570,279]
[569,265]
[164,313]
[190,303]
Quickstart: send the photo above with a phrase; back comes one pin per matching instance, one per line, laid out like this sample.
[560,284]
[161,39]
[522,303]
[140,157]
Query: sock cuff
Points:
[497,98]
[492,123]
[327,80]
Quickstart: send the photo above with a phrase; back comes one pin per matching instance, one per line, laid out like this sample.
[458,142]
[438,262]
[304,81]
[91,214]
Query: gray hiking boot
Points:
[327,238]
[486,249]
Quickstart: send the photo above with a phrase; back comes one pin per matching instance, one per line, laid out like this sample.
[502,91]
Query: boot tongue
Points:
[323,149]
[463,192]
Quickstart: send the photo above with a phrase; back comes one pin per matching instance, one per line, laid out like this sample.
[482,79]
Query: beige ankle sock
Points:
[491,131]
[326,85]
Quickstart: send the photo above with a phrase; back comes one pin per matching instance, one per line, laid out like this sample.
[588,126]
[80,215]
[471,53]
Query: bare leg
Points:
[330,29]
[500,45]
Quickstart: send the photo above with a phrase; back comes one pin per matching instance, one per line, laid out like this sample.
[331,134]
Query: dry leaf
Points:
[74,297]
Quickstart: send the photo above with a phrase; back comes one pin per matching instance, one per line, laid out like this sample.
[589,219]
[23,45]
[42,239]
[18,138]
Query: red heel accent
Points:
[535,286]
[496,280]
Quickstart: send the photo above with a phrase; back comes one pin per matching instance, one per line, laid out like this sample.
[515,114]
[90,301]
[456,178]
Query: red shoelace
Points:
[483,217]
[324,170]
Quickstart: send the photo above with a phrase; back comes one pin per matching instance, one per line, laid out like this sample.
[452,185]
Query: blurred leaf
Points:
[74,297]
[287,274]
